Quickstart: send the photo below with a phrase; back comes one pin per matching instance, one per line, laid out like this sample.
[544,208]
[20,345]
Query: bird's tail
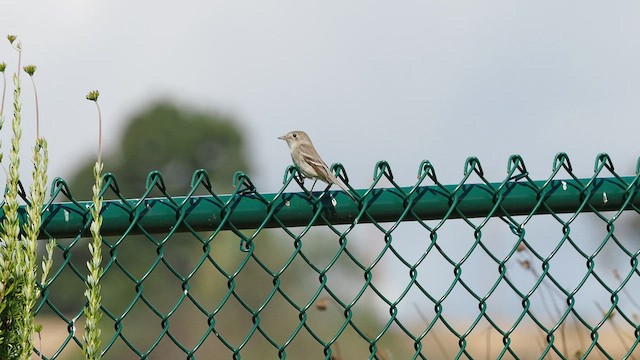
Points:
[345,189]
[329,178]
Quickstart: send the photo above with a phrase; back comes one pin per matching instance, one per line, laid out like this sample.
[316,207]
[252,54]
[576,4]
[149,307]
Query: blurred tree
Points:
[176,142]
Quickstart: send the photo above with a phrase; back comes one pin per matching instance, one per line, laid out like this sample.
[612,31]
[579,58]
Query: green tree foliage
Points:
[175,141]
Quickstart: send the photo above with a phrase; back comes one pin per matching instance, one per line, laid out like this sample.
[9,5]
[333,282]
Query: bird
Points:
[309,163]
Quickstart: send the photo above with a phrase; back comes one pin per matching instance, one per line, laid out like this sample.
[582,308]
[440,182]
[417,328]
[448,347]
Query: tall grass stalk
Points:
[18,253]
[3,67]
[92,310]
[12,266]
[37,193]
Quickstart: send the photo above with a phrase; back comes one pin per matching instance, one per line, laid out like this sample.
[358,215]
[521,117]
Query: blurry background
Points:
[368,80]
[430,79]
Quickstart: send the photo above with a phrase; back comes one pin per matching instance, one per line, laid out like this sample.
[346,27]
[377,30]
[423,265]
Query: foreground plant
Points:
[92,311]
[18,253]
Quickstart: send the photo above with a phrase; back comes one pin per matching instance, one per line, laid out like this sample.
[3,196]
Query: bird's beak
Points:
[283,137]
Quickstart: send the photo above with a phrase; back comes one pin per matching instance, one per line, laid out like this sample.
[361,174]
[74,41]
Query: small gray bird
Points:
[308,161]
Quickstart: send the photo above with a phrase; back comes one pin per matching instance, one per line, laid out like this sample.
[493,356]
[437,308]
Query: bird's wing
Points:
[311,156]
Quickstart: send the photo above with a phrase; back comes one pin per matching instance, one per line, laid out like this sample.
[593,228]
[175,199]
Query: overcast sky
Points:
[368,80]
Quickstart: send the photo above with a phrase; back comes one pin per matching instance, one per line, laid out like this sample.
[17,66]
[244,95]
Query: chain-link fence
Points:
[514,269]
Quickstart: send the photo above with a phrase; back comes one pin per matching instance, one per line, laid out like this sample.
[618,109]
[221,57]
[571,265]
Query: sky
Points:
[368,80]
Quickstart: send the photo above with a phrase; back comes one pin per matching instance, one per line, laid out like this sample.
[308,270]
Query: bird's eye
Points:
[295,135]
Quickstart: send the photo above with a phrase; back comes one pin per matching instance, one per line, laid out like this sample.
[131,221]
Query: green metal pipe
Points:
[204,213]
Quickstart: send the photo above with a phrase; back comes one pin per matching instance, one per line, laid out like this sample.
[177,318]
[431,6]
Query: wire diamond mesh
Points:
[516,269]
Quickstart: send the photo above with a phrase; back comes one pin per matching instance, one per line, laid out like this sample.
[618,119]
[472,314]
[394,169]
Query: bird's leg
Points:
[300,179]
[314,184]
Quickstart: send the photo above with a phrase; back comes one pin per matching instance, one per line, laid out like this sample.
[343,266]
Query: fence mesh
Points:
[515,269]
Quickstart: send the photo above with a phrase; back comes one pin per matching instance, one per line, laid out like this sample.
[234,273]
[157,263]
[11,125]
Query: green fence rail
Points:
[479,269]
